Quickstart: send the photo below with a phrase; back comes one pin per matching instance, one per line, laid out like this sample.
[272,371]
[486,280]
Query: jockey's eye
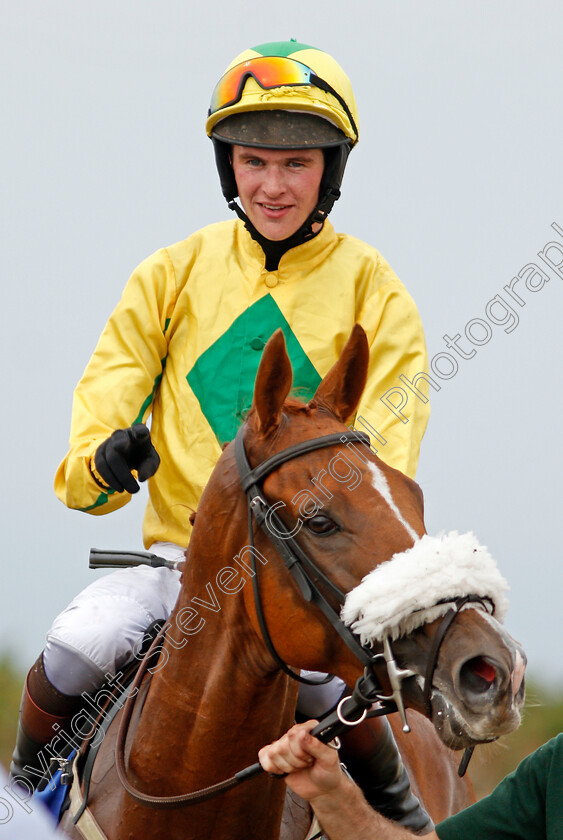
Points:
[321,524]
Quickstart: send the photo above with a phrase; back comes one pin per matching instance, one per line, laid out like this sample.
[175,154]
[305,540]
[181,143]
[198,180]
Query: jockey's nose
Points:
[273,184]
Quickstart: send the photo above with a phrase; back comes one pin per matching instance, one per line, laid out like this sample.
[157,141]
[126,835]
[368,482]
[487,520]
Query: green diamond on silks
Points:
[223,377]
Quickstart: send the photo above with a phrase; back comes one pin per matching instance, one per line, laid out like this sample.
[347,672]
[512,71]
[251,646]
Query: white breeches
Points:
[102,628]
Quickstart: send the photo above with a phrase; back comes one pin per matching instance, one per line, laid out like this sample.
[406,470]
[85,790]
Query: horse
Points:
[221,688]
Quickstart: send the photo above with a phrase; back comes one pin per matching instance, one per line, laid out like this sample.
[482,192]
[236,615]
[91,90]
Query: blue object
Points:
[51,799]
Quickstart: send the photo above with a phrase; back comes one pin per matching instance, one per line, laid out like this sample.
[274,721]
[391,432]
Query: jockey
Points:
[184,343]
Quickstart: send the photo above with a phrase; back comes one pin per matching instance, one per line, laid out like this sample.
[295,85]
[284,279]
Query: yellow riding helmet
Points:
[284,95]
[291,77]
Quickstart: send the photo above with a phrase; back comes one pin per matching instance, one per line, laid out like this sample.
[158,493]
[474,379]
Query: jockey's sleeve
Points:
[395,406]
[118,385]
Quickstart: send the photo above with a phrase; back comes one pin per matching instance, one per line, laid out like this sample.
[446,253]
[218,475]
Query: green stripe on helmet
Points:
[283,48]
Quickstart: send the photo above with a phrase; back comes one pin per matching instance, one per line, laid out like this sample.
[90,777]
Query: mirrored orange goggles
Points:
[270,72]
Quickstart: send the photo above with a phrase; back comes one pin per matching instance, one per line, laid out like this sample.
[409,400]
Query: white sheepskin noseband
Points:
[402,594]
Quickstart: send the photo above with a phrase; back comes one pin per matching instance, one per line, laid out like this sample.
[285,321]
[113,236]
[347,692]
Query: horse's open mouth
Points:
[483,702]
[478,675]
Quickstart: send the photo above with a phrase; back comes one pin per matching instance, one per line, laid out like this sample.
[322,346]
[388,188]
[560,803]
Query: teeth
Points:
[274,206]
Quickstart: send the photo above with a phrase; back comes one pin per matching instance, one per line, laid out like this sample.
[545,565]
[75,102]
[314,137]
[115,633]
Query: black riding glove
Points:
[126,450]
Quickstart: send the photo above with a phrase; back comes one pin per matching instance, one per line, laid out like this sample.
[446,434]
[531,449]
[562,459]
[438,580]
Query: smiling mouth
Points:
[275,207]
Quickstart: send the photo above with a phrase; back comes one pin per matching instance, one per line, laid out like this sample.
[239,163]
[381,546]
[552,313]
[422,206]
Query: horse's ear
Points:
[273,382]
[342,387]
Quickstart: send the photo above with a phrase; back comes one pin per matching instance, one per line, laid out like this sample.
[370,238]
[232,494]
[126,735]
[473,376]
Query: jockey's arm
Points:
[315,774]
[117,389]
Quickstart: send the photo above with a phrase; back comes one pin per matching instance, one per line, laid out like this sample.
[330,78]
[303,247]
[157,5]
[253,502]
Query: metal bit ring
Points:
[344,720]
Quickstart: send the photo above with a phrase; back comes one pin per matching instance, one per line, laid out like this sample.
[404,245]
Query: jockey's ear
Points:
[273,382]
[341,389]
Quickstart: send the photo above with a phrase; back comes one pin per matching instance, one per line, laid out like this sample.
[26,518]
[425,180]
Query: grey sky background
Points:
[456,180]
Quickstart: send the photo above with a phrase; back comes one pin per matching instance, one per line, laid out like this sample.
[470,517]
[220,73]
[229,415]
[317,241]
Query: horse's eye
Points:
[321,524]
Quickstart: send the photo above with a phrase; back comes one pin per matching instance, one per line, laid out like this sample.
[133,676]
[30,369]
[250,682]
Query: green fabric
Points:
[224,375]
[101,500]
[284,48]
[147,403]
[526,805]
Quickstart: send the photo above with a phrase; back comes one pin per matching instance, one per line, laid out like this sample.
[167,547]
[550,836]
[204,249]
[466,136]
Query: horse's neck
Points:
[215,692]
[216,697]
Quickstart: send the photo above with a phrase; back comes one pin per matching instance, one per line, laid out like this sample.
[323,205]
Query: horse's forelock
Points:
[292,407]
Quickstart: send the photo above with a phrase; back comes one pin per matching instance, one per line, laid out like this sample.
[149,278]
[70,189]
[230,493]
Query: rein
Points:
[165,802]
[365,694]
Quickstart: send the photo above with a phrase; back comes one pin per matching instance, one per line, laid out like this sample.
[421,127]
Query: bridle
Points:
[351,710]
[305,572]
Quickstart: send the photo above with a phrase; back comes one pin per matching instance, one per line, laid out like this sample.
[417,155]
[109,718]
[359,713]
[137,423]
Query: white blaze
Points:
[380,483]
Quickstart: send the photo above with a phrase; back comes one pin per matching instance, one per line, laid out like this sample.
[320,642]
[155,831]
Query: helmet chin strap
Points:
[275,249]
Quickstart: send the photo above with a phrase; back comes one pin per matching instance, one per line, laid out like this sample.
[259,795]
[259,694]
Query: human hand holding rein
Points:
[314,772]
[313,769]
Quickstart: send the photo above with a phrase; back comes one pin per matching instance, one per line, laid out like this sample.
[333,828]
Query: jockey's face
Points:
[278,189]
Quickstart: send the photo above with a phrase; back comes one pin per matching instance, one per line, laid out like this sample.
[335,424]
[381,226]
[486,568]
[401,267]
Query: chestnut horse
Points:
[218,695]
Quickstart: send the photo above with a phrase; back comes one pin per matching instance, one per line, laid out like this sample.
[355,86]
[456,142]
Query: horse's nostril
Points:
[477,675]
